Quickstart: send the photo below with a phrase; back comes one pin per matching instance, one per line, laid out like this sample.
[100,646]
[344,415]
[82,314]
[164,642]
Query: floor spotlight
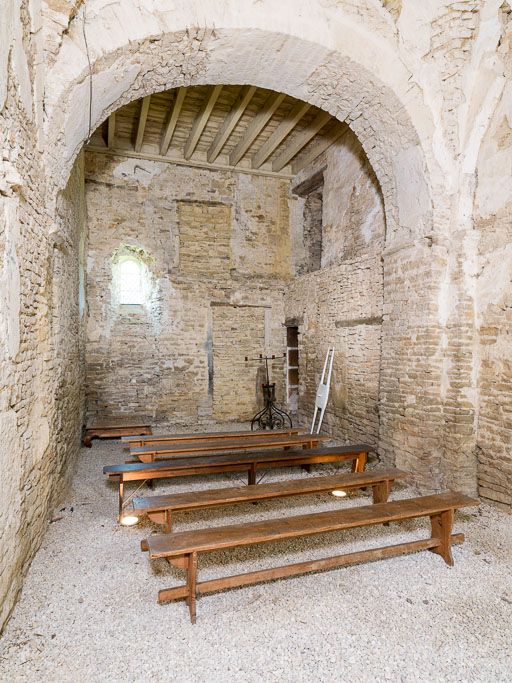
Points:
[129,520]
[339,493]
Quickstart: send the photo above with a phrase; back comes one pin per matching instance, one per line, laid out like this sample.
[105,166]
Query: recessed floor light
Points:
[129,520]
[339,493]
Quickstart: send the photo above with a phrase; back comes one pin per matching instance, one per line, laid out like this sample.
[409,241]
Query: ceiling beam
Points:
[202,119]
[336,132]
[179,161]
[284,128]
[111,130]
[173,120]
[259,121]
[230,122]
[143,115]
[302,140]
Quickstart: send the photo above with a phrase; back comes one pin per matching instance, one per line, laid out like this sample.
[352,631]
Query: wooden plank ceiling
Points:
[242,127]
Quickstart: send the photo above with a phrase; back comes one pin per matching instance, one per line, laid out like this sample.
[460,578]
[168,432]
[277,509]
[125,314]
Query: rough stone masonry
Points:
[414,287]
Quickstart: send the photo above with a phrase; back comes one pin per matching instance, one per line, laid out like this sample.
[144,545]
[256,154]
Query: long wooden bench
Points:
[112,430]
[235,462]
[149,453]
[138,441]
[160,509]
[182,548]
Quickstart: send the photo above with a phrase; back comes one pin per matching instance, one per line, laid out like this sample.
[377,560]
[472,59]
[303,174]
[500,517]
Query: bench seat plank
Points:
[216,538]
[150,452]
[234,462]
[263,457]
[109,430]
[160,509]
[182,549]
[206,436]
[280,489]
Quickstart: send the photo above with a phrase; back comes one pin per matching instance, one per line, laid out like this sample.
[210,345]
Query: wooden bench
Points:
[138,441]
[159,509]
[150,453]
[182,548]
[113,429]
[235,462]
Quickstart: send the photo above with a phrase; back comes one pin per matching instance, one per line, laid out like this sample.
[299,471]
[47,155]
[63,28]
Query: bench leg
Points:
[191,585]
[359,464]
[381,492]
[168,522]
[121,497]
[442,524]
[252,475]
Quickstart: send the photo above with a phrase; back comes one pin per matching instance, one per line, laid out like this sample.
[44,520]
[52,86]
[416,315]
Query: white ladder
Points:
[322,393]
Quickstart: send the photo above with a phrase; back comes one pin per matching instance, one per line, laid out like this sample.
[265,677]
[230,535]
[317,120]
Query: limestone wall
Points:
[340,305]
[40,375]
[218,249]
[493,359]
[426,88]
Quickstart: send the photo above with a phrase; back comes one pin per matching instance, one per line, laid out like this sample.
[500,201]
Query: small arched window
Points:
[131,282]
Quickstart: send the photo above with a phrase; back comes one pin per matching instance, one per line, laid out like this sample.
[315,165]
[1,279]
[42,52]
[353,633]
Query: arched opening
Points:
[250,200]
[369,90]
[192,255]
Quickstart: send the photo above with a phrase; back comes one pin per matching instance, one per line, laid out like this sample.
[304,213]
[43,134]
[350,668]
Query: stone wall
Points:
[493,358]
[340,305]
[218,249]
[421,89]
[40,374]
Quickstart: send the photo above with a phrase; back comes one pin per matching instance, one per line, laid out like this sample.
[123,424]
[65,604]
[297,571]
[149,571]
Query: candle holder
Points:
[270,416]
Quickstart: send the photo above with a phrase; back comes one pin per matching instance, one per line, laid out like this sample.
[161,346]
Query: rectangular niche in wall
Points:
[238,331]
[312,191]
[292,367]
[205,235]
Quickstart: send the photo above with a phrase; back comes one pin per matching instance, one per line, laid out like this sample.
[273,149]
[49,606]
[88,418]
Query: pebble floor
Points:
[88,609]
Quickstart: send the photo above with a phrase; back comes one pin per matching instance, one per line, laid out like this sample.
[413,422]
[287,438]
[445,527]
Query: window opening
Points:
[131,289]
[132,282]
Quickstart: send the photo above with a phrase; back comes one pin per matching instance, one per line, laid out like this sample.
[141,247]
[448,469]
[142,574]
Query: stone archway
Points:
[360,80]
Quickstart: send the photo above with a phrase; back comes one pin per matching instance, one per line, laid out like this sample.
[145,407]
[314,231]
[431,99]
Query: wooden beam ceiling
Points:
[230,122]
[239,127]
[201,120]
[111,130]
[258,123]
[173,120]
[320,147]
[144,108]
[281,132]
[301,141]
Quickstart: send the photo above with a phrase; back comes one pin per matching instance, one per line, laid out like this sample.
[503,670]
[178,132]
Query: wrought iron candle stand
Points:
[270,417]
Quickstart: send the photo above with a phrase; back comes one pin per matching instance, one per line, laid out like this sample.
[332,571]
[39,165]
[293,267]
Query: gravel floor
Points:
[88,610]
